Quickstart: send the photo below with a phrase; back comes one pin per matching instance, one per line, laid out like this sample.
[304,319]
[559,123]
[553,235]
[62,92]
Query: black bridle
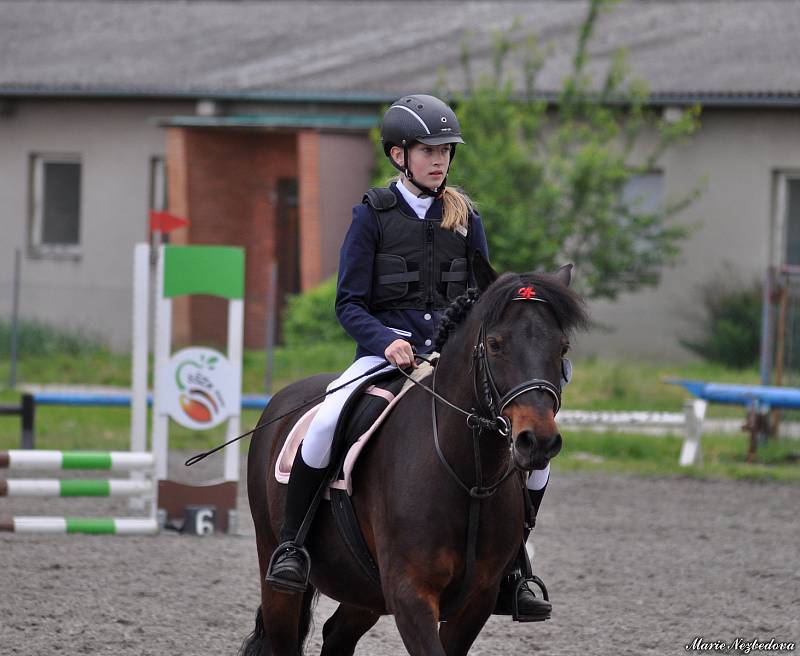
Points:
[489,400]
[487,416]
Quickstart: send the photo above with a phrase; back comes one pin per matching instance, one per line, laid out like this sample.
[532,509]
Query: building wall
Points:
[737,153]
[115,141]
[345,166]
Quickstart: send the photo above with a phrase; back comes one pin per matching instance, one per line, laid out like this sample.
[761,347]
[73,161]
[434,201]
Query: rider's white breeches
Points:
[316,449]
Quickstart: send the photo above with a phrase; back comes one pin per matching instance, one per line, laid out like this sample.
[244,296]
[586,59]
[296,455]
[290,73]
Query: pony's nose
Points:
[552,447]
[549,448]
[525,439]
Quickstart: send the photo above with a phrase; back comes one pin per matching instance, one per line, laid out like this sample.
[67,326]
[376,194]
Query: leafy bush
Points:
[310,318]
[730,326]
[39,338]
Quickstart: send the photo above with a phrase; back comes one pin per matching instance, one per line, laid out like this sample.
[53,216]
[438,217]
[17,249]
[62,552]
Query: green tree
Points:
[548,176]
[310,317]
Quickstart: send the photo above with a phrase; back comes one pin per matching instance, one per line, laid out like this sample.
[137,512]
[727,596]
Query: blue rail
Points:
[762,396]
[27,407]
[121,399]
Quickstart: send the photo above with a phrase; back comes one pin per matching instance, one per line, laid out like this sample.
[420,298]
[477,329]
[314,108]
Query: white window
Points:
[644,193]
[55,204]
[786,237]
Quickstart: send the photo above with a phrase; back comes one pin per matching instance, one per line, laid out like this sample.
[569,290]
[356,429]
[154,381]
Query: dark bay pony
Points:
[412,512]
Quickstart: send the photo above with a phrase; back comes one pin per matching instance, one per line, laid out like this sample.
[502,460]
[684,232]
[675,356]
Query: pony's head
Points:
[520,327]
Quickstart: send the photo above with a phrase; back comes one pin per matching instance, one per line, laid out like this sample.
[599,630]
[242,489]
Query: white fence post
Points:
[695,412]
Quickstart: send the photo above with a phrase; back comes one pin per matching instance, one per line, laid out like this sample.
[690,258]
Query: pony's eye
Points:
[495,344]
[564,350]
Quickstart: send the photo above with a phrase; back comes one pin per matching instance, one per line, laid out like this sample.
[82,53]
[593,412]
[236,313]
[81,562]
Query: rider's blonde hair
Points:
[456,208]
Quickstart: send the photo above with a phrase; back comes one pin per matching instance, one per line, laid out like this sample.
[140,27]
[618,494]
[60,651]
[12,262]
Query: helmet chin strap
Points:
[426,191]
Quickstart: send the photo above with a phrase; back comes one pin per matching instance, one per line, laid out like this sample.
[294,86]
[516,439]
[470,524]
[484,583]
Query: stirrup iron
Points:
[522,582]
[282,584]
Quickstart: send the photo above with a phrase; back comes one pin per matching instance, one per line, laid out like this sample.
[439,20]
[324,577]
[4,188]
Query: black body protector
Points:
[419,265]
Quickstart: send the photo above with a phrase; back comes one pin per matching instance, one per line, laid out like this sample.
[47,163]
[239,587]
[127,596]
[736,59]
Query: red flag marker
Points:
[166,222]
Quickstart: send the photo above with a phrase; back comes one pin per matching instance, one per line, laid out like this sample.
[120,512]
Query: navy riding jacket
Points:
[374,332]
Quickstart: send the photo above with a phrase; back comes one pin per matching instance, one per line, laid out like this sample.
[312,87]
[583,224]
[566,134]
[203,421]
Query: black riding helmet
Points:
[421,118]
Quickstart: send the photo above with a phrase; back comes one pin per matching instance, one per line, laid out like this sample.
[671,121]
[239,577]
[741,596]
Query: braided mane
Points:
[454,315]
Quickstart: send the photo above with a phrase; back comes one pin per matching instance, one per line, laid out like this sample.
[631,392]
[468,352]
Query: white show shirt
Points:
[419,205]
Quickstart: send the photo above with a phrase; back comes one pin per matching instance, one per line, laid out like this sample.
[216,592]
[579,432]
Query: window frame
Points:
[36,248]
[780,220]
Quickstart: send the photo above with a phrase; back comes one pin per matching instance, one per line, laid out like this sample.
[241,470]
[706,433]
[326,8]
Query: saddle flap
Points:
[363,408]
[283,466]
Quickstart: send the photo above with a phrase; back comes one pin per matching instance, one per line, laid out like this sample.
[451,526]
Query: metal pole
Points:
[272,293]
[781,339]
[12,380]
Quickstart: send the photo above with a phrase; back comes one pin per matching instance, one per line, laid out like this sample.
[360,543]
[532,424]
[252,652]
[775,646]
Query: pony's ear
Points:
[564,274]
[485,275]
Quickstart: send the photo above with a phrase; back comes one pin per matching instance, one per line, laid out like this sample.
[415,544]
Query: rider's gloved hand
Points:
[400,354]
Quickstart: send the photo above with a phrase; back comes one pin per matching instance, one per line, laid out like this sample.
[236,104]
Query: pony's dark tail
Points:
[256,645]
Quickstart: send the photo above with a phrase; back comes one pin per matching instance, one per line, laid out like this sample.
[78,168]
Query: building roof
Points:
[725,52]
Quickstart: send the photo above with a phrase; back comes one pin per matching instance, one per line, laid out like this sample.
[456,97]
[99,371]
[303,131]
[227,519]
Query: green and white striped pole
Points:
[24,487]
[97,460]
[89,525]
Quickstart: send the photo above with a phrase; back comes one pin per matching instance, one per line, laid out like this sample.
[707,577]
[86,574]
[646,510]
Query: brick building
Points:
[263,190]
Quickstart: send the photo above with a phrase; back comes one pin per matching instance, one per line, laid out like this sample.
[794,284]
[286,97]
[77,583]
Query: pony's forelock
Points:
[568,307]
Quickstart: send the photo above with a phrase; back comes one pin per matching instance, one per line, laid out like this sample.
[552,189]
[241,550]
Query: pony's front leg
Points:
[415,606]
[460,631]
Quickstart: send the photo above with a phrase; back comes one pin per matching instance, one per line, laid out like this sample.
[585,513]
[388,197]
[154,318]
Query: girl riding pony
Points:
[406,257]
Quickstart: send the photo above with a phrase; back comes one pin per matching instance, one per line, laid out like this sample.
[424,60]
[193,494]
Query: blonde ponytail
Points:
[456,208]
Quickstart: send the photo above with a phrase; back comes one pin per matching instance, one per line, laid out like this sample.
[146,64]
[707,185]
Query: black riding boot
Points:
[518,600]
[290,565]
[516,597]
